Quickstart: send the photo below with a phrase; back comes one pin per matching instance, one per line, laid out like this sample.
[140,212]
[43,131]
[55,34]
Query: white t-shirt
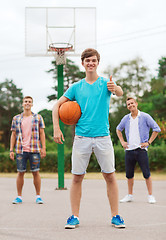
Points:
[134,137]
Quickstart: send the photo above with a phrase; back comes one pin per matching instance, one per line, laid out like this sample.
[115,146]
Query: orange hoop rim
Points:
[60,47]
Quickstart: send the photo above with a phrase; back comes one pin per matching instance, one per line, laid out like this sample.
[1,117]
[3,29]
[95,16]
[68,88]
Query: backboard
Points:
[46,25]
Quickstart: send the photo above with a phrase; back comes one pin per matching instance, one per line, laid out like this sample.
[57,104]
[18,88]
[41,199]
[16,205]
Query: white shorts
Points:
[83,148]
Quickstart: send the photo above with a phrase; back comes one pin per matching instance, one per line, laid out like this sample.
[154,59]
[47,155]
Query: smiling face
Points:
[132,105]
[90,64]
[27,104]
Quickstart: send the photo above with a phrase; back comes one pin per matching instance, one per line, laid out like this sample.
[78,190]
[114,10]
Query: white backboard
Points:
[46,25]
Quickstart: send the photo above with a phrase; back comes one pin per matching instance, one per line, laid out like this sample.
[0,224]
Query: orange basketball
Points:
[69,112]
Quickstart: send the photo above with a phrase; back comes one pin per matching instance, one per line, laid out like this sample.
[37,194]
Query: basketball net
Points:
[59,49]
[60,58]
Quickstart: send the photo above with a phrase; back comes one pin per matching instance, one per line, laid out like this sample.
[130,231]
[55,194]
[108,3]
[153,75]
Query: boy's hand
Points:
[58,136]
[124,144]
[12,156]
[43,152]
[111,85]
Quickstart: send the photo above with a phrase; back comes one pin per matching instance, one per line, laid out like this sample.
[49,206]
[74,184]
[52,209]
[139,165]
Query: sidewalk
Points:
[46,222]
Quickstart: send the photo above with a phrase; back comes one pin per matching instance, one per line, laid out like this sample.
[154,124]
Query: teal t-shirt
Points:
[94,100]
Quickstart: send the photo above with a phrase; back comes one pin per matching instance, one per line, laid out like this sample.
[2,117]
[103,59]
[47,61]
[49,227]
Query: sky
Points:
[126,29]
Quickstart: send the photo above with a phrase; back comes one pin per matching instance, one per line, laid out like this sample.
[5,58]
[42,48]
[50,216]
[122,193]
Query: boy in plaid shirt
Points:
[28,138]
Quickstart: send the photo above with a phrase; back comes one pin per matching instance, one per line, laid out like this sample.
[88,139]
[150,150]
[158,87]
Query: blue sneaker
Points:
[17,200]
[72,222]
[118,222]
[39,200]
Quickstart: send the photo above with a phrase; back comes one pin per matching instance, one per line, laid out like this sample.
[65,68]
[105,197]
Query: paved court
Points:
[26,221]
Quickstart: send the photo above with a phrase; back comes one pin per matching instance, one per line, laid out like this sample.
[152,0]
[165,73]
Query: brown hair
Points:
[129,98]
[28,97]
[89,52]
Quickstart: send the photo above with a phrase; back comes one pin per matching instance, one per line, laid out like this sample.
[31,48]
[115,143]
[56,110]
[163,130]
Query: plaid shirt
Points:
[37,123]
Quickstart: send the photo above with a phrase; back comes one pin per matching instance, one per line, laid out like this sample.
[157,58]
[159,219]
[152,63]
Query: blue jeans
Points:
[132,157]
[34,159]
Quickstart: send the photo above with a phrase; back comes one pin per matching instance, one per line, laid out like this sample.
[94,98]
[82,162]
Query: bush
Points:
[157,157]
[2,148]
[6,164]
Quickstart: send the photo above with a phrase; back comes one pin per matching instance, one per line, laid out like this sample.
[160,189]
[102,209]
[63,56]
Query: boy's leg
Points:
[20,182]
[37,182]
[112,192]
[143,162]
[149,185]
[75,193]
[82,149]
[21,160]
[34,159]
[130,162]
[130,182]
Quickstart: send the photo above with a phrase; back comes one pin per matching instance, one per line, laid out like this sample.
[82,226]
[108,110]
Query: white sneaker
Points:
[151,199]
[127,198]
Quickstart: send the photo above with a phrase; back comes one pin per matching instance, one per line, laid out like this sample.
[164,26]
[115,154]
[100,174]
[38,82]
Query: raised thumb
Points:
[111,78]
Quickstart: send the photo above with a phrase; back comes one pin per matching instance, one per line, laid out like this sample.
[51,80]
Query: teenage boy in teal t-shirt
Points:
[91,134]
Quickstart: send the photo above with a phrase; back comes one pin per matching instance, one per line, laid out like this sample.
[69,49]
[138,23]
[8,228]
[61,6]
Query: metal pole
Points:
[60,146]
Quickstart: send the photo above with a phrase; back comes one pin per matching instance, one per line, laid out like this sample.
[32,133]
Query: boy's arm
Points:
[43,142]
[12,144]
[151,139]
[117,90]
[58,135]
[120,136]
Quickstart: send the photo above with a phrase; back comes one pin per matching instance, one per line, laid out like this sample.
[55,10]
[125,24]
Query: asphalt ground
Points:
[28,220]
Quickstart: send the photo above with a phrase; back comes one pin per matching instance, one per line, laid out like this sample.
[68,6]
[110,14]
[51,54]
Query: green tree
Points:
[154,100]
[133,77]
[162,68]
[47,116]
[10,104]
[72,74]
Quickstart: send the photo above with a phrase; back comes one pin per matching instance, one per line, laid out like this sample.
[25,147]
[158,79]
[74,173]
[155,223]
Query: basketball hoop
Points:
[60,49]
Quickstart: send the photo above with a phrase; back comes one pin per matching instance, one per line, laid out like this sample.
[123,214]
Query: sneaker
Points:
[39,200]
[151,199]
[127,198]
[118,222]
[17,200]
[72,222]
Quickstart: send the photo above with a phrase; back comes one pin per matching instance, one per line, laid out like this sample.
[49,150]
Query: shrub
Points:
[157,160]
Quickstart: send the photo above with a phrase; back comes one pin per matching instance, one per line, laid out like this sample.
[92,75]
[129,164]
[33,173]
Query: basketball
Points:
[70,112]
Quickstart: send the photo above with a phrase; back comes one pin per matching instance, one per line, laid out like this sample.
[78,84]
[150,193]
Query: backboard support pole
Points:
[60,146]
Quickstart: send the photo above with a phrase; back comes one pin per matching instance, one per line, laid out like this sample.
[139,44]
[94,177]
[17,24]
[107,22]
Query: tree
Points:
[133,77]
[10,104]
[162,68]
[155,98]
[47,116]
[72,74]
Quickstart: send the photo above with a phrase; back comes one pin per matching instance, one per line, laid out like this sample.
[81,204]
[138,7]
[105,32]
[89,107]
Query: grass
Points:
[120,176]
